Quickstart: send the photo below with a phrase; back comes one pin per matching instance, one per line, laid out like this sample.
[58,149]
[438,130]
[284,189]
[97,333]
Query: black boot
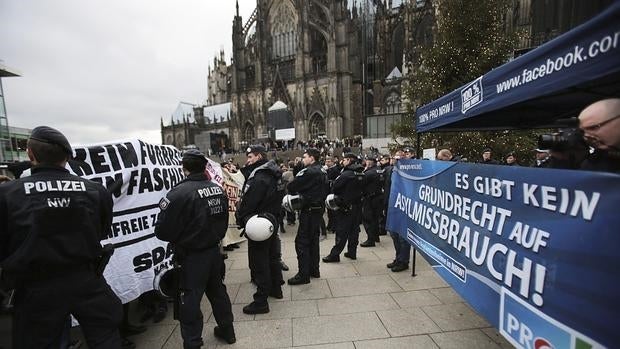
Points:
[256,308]
[368,243]
[350,255]
[298,280]
[400,267]
[331,259]
[227,333]
[283,265]
[391,265]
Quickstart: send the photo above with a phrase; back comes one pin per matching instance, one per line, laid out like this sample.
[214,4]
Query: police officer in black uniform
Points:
[384,171]
[372,203]
[194,218]
[333,171]
[51,225]
[311,184]
[262,193]
[348,187]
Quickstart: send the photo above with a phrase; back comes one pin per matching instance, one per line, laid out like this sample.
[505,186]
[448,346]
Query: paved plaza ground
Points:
[355,304]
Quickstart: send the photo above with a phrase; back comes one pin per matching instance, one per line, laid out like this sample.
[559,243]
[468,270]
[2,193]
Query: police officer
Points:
[333,169]
[385,171]
[51,225]
[194,218]
[311,184]
[262,193]
[401,245]
[372,203]
[348,188]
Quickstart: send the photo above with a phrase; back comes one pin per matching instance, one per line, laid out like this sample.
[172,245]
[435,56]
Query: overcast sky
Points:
[107,70]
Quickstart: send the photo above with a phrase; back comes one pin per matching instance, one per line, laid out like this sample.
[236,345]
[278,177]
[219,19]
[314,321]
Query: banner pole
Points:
[413,263]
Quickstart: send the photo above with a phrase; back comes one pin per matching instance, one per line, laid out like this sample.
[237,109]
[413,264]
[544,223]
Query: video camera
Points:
[563,140]
[568,148]
[568,138]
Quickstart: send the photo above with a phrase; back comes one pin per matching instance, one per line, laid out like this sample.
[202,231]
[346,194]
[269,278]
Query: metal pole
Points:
[413,263]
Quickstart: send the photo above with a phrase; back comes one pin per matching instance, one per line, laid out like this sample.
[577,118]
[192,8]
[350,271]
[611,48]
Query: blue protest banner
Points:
[534,251]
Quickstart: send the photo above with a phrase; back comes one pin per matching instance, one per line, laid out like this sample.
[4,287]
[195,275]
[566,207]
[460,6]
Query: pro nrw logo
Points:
[471,95]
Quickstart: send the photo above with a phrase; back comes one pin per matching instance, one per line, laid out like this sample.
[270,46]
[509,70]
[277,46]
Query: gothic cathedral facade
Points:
[309,54]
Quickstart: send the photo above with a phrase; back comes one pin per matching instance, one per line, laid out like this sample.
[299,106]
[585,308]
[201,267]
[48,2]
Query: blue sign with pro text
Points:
[534,251]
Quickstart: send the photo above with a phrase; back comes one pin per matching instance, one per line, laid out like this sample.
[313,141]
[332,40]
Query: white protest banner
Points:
[138,175]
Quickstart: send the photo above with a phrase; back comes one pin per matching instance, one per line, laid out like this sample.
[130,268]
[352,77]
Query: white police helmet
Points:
[332,202]
[292,203]
[165,282]
[259,227]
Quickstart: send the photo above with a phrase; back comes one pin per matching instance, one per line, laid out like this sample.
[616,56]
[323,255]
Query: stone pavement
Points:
[355,304]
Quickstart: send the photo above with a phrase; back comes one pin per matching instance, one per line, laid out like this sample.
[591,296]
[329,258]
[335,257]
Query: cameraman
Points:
[600,123]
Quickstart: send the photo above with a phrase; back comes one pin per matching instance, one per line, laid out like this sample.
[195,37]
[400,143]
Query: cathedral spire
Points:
[237,5]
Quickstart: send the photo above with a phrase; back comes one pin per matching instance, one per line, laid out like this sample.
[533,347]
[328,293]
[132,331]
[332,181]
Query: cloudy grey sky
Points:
[105,70]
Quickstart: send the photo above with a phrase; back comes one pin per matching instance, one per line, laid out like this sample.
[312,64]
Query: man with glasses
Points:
[600,123]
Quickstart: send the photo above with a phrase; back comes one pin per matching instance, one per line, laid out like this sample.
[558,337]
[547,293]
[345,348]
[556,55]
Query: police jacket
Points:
[262,191]
[311,184]
[349,185]
[333,172]
[52,221]
[372,180]
[194,214]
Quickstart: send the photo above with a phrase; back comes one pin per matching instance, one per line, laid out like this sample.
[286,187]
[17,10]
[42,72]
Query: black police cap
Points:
[194,153]
[314,153]
[50,135]
[255,148]
[408,150]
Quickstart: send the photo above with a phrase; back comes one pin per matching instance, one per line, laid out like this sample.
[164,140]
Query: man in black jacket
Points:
[385,171]
[401,245]
[51,225]
[487,157]
[194,218]
[348,188]
[262,193]
[311,184]
[372,204]
[333,171]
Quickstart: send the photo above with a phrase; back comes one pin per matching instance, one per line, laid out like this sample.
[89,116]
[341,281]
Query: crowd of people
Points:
[55,263]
